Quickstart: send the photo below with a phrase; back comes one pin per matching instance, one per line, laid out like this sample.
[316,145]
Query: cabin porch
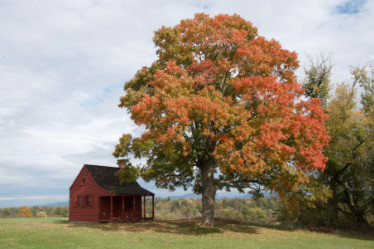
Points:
[123,208]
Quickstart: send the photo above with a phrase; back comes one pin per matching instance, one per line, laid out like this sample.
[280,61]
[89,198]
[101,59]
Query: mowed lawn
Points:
[59,233]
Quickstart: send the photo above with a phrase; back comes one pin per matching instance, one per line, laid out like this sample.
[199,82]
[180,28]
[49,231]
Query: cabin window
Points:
[74,201]
[83,181]
[80,201]
[88,201]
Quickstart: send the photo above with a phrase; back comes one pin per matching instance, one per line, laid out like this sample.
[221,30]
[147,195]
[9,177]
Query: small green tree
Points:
[34,210]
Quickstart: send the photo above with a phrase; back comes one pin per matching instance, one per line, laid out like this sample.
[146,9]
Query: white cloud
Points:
[63,65]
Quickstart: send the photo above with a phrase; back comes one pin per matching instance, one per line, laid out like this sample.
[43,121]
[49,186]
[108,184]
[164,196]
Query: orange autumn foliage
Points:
[25,212]
[220,91]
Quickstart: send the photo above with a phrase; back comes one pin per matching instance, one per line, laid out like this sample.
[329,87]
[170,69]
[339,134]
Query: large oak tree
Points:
[221,109]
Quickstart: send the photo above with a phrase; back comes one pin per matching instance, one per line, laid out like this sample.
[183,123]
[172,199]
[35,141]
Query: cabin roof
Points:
[105,178]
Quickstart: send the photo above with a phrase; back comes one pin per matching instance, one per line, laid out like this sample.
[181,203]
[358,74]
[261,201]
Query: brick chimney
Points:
[121,164]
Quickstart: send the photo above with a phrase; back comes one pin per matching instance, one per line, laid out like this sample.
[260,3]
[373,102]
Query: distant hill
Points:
[30,203]
[185,196]
[219,196]
[56,204]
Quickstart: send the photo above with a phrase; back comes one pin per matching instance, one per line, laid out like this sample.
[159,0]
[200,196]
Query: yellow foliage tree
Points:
[25,212]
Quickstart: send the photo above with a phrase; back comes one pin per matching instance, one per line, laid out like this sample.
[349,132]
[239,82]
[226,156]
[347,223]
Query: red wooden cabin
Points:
[96,195]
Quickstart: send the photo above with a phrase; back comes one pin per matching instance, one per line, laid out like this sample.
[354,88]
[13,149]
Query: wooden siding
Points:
[89,188]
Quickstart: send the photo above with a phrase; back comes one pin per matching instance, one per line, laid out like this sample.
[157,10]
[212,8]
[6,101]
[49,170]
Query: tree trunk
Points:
[208,192]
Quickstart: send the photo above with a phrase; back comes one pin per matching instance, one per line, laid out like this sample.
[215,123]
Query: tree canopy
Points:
[221,108]
[350,168]
[342,195]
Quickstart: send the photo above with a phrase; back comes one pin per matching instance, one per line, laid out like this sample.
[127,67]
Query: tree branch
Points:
[341,171]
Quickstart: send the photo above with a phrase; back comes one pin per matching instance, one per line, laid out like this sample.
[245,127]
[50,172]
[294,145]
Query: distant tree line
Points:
[259,211]
[27,212]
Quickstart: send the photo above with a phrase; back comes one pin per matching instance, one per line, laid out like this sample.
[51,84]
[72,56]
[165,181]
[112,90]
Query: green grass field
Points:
[59,233]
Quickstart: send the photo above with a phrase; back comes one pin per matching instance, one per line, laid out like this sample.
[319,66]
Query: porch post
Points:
[144,206]
[133,207]
[123,208]
[111,207]
[153,207]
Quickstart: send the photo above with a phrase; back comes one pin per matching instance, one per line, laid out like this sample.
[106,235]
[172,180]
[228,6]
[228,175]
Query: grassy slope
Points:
[58,233]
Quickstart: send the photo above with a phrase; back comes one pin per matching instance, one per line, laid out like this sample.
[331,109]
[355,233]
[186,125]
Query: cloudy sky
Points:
[63,65]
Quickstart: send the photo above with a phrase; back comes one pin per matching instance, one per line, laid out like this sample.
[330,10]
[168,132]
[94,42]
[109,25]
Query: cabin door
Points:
[117,207]
[128,212]
[133,205]
[104,204]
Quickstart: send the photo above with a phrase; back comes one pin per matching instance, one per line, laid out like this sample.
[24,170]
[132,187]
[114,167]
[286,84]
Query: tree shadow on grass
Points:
[185,227]
[193,227]
[365,234]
